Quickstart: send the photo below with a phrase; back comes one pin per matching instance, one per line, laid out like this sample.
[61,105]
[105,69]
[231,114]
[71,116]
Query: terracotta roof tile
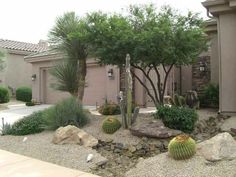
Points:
[16,45]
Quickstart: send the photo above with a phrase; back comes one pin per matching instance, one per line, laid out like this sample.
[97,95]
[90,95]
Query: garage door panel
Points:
[95,90]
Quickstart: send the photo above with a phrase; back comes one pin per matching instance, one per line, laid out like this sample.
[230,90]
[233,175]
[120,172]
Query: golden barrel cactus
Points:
[182,147]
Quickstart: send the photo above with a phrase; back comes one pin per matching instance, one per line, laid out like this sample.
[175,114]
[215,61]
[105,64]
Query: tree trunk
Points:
[81,78]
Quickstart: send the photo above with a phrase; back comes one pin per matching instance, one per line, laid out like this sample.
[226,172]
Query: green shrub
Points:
[6,129]
[31,124]
[4,95]
[110,125]
[66,112]
[210,96]
[109,109]
[29,103]
[24,94]
[180,118]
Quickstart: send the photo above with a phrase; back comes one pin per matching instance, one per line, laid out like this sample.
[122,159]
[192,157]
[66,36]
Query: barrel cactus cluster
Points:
[111,125]
[182,147]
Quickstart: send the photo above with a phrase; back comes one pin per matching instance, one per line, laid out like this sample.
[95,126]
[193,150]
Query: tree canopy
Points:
[153,39]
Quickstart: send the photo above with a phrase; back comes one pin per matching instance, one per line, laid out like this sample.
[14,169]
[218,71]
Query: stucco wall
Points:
[214,58]
[17,72]
[98,85]
[227,38]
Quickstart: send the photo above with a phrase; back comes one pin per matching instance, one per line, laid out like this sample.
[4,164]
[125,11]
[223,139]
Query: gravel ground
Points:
[120,136]
[39,146]
[164,166]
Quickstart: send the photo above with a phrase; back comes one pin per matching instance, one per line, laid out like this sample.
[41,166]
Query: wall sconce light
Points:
[110,73]
[33,77]
[202,66]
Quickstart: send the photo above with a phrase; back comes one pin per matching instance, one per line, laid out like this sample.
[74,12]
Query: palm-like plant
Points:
[66,75]
[69,37]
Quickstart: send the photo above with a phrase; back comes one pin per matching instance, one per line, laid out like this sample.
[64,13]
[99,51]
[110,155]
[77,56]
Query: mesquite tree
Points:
[153,39]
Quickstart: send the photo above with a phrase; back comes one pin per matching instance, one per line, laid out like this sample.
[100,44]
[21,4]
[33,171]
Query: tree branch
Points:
[149,79]
[165,80]
[146,88]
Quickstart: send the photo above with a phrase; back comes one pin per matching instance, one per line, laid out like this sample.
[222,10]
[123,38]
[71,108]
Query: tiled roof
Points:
[23,46]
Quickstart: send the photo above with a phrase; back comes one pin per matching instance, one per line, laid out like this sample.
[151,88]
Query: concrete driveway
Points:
[18,111]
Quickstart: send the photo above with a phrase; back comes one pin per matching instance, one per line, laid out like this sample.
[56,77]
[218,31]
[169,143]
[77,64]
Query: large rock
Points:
[153,129]
[220,147]
[73,135]
[229,125]
[164,166]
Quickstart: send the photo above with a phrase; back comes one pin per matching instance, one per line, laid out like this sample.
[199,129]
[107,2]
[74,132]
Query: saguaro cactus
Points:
[129,88]
[126,105]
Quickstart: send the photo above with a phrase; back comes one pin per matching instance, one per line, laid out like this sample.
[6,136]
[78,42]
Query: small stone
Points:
[117,151]
[132,148]
[119,146]
[112,147]
[102,163]
[139,146]
[144,139]
[109,140]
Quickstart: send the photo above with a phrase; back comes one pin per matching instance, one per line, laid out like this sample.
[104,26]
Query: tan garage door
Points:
[95,90]
[52,96]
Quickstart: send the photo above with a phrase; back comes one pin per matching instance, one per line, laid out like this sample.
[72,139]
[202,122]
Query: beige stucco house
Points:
[222,32]
[17,72]
[100,83]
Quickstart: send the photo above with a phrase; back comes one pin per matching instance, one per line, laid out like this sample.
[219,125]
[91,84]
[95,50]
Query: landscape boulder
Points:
[153,129]
[73,135]
[220,147]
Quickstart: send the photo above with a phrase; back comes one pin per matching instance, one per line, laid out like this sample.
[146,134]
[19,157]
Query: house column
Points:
[225,12]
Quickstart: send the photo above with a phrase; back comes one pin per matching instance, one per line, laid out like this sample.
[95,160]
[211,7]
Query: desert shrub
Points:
[66,112]
[4,95]
[24,94]
[109,109]
[180,118]
[29,103]
[6,129]
[31,124]
[210,96]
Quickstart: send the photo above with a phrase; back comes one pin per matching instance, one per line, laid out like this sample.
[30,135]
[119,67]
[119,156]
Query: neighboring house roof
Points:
[23,46]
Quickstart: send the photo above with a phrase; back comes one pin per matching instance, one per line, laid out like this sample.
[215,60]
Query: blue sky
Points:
[30,20]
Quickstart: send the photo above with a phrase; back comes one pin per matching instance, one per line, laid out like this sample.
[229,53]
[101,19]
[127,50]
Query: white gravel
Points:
[39,146]
[164,166]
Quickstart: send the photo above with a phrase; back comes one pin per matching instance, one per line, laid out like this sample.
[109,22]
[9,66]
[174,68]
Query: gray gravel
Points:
[164,166]
[120,136]
[39,146]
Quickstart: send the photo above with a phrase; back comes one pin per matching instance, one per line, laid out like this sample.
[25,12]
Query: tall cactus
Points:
[129,91]
[126,106]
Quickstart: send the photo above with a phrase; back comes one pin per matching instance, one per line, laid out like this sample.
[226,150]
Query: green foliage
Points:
[192,99]
[109,108]
[28,125]
[153,39]
[179,100]
[182,147]
[4,95]
[210,96]
[69,37]
[24,94]
[29,103]
[66,112]
[110,125]
[66,77]
[180,118]
[6,129]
